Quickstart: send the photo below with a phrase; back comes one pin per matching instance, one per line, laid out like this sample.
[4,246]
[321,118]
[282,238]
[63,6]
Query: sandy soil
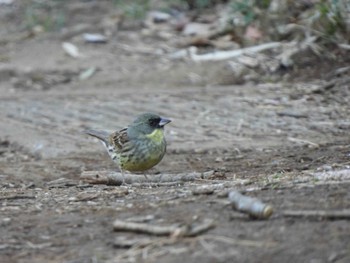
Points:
[286,143]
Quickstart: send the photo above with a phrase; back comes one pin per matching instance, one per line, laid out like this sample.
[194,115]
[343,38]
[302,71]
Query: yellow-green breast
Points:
[147,152]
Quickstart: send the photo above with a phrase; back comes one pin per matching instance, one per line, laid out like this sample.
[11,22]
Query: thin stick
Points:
[201,228]
[172,230]
[115,178]
[222,55]
[335,214]
[119,225]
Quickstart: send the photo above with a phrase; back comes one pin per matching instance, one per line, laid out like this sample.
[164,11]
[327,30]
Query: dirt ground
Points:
[286,143]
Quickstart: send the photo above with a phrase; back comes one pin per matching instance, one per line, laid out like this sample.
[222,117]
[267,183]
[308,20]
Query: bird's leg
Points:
[123,182]
[148,180]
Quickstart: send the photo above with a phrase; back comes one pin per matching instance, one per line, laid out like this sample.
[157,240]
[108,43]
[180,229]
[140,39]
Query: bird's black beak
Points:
[163,122]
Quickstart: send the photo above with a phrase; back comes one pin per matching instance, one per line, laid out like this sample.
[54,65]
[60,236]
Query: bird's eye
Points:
[154,122]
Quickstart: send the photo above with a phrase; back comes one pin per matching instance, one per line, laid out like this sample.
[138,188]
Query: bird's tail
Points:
[101,135]
[104,138]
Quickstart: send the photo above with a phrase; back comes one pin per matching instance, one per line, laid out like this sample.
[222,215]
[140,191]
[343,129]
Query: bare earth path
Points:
[283,143]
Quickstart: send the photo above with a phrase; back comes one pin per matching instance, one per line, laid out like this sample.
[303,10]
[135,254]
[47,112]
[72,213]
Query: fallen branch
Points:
[335,214]
[222,55]
[254,207]
[173,230]
[116,178]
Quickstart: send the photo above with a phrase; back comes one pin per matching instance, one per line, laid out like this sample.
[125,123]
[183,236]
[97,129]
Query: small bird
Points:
[138,147]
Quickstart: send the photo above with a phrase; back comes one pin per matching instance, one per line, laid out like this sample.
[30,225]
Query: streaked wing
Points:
[118,139]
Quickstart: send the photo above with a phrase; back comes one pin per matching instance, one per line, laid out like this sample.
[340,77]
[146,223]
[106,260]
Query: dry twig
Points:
[335,214]
[222,55]
[172,230]
[115,178]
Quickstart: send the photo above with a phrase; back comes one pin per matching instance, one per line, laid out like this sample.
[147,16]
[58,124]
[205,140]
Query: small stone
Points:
[219,160]
[94,38]
[208,174]
[203,190]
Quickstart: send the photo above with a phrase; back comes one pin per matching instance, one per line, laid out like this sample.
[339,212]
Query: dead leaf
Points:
[70,49]
[253,33]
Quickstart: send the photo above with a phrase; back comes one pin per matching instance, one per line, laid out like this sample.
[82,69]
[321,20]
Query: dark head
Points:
[146,123]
